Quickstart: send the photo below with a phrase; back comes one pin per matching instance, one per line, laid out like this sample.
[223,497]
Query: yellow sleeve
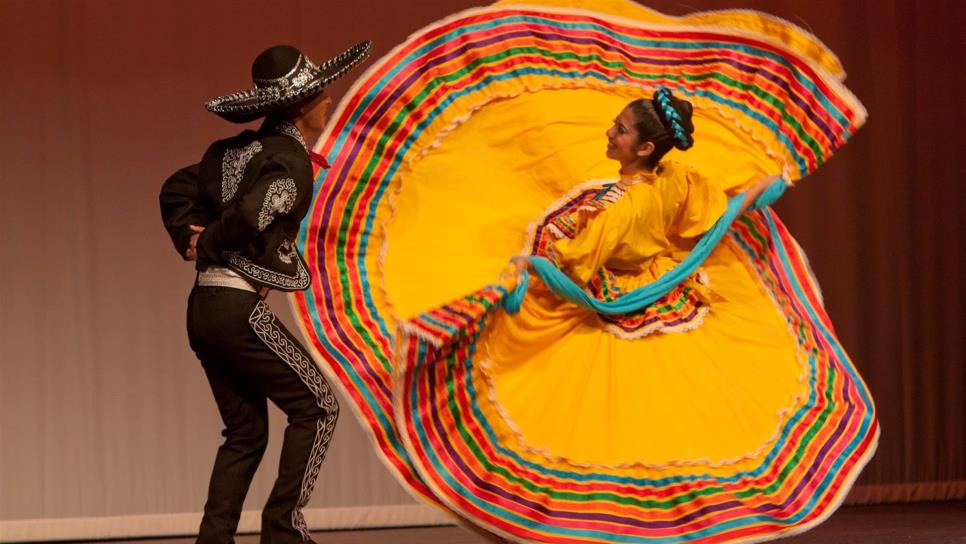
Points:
[583,255]
[704,202]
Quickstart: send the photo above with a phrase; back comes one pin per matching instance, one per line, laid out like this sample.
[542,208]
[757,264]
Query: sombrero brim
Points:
[244,106]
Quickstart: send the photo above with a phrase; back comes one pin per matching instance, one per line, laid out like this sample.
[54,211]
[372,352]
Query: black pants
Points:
[249,357]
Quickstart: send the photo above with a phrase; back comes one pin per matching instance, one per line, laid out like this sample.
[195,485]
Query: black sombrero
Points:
[284,76]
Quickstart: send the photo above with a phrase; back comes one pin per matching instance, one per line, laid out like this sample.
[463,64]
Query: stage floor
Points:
[943,522]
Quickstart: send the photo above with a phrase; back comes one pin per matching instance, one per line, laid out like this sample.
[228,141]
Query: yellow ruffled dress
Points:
[574,385]
[726,411]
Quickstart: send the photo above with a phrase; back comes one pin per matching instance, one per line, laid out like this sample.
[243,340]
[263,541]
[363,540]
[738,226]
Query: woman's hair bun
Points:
[675,115]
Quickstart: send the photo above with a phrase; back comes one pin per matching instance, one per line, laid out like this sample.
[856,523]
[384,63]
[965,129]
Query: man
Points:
[236,214]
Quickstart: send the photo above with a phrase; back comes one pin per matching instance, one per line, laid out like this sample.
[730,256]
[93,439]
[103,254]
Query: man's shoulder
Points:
[234,161]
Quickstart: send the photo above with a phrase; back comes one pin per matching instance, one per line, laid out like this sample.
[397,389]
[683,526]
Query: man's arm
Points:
[181,208]
[281,185]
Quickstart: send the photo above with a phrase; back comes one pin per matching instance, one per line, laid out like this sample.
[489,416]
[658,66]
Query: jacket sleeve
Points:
[181,207]
[282,184]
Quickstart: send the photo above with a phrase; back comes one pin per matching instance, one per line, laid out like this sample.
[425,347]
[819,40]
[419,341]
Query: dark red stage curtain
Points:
[882,222]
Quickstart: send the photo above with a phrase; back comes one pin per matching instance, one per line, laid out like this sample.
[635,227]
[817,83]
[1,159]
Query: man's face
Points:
[316,113]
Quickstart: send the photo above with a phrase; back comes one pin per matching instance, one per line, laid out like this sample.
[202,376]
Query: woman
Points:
[623,237]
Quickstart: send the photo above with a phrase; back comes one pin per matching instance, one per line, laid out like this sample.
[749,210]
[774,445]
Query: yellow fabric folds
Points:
[712,395]
[567,387]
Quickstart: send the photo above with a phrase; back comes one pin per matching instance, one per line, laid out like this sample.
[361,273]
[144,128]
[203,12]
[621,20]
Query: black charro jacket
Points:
[250,192]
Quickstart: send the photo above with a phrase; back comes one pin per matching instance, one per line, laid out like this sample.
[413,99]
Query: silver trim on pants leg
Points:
[264,324]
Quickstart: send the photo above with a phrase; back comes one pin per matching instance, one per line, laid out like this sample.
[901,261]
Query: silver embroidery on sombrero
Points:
[267,329]
[303,80]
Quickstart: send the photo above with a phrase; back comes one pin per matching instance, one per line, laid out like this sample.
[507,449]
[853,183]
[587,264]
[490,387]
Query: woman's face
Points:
[623,140]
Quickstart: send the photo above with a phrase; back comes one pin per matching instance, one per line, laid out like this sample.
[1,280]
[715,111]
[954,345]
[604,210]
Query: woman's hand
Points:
[752,194]
[192,252]
[520,263]
[511,274]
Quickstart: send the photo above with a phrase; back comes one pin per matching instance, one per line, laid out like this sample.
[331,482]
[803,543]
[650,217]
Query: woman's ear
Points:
[645,149]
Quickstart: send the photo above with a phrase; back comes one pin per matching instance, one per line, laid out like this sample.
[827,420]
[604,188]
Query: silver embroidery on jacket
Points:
[279,200]
[266,276]
[287,252]
[233,167]
[292,131]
